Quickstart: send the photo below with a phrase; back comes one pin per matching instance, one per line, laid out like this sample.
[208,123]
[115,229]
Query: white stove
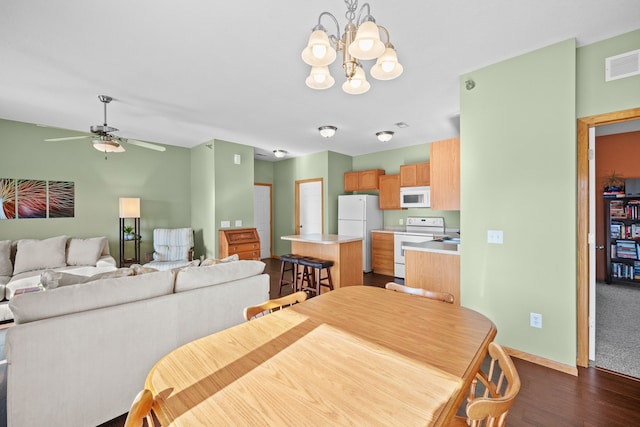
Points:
[419,229]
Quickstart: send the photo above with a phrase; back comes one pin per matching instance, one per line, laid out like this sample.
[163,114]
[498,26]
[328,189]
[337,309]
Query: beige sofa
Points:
[23,261]
[78,355]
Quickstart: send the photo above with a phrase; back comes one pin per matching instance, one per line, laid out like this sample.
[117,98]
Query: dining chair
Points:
[267,307]
[489,408]
[440,296]
[141,410]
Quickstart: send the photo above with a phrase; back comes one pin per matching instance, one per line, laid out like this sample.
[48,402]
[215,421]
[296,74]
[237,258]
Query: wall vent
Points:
[623,65]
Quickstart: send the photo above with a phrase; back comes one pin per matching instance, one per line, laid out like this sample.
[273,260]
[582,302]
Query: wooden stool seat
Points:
[289,262]
[312,281]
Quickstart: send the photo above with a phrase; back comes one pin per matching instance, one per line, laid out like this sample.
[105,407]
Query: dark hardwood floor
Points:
[548,398]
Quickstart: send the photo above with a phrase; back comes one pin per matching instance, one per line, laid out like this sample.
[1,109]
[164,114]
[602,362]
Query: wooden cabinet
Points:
[242,241]
[382,253]
[433,271]
[389,197]
[445,174]
[415,175]
[362,180]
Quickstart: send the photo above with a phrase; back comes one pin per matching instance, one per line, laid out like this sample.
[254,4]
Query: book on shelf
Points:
[636,270]
[626,249]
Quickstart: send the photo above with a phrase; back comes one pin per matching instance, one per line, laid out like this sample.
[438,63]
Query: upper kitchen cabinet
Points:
[362,180]
[415,175]
[389,191]
[445,174]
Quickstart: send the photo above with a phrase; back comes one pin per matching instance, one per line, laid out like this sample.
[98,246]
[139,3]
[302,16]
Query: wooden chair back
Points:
[501,386]
[271,305]
[440,296]
[141,410]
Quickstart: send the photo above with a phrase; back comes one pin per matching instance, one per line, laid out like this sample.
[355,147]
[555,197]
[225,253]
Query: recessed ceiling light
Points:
[402,125]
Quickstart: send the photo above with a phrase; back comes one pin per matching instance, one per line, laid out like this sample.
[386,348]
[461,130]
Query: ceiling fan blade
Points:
[143,144]
[68,138]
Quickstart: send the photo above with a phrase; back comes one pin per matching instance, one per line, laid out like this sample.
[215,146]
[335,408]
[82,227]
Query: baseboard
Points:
[547,363]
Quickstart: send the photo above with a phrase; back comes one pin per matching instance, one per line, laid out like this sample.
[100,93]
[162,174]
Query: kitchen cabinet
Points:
[389,196]
[382,253]
[445,174]
[433,271]
[362,180]
[242,241]
[415,175]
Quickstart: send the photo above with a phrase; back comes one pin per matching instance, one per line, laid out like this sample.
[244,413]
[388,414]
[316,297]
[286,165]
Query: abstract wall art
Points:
[35,198]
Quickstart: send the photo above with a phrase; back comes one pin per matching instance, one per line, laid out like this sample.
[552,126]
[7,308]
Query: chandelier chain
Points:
[352,5]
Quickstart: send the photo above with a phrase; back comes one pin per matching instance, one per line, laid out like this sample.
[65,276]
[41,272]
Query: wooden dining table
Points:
[357,355]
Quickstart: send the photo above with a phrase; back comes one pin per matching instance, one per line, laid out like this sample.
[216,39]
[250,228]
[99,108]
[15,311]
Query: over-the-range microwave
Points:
[415,197]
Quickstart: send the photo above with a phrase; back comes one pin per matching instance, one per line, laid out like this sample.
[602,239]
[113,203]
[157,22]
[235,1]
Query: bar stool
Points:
[311,282]
[289,262]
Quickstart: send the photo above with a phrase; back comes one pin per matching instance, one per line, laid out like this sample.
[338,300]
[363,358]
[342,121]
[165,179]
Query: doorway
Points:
[262,217]
[583,223]
[309,206]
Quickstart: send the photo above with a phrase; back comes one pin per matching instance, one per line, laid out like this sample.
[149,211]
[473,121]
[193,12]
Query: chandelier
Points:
[360,41]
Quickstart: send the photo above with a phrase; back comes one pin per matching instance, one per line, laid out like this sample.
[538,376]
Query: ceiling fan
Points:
[106,141]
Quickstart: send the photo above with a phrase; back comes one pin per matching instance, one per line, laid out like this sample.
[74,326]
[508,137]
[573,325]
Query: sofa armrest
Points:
[106,261]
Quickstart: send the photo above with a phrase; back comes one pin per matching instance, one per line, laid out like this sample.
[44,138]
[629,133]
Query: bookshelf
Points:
[622,239]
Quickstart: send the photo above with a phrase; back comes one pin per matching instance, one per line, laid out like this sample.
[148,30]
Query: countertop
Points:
[439,246]
[323,239]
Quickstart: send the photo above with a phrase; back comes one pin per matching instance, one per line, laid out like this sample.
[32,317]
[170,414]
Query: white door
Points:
[262,217]
[310,207]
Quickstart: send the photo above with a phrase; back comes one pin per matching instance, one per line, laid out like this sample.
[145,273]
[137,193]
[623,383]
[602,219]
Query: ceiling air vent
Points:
[623,65]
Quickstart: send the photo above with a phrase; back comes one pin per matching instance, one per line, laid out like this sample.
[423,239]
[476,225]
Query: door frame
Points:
[584,124]
[297,201]
[262,184]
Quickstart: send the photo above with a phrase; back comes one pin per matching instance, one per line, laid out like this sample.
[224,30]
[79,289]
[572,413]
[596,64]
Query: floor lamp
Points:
[129,208]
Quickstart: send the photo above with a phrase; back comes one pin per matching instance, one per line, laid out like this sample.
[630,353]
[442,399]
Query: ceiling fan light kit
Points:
[360,41]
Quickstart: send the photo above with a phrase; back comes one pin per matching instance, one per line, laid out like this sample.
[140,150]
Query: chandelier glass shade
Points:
[359,42]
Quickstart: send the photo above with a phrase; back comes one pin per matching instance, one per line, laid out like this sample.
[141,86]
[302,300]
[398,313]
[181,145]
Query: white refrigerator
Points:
[357,216]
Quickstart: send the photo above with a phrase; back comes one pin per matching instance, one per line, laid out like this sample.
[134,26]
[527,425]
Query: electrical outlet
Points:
[401,221]
[494,236]
[238,223]
[535,320]
[225,224]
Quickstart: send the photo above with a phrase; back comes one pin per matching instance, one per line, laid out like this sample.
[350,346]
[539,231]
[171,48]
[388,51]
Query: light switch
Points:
[238,223]
[236,159]
[225,224]
[494,236]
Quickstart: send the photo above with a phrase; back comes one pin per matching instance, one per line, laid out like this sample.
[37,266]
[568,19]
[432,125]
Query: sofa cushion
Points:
[52,279]
[6,268]
[40,254]
[85,251]
[90,296]
[198,277]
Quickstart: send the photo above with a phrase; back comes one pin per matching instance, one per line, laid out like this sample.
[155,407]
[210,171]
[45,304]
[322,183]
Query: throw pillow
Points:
[6,268]
[85,251]
[139,269]
[51,279]
[211,261]
[40,254]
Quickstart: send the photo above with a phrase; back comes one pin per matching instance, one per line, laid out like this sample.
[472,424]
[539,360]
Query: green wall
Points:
[161,180]
[518,175]
[595,96]
[222,191]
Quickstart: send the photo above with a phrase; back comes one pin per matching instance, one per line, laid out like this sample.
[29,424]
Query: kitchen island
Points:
[434,265]
[344,251]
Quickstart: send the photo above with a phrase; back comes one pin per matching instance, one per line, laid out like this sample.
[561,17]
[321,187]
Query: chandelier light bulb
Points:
[387,66]
[319,51]
[367,44]
[357,84]
[319,78]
